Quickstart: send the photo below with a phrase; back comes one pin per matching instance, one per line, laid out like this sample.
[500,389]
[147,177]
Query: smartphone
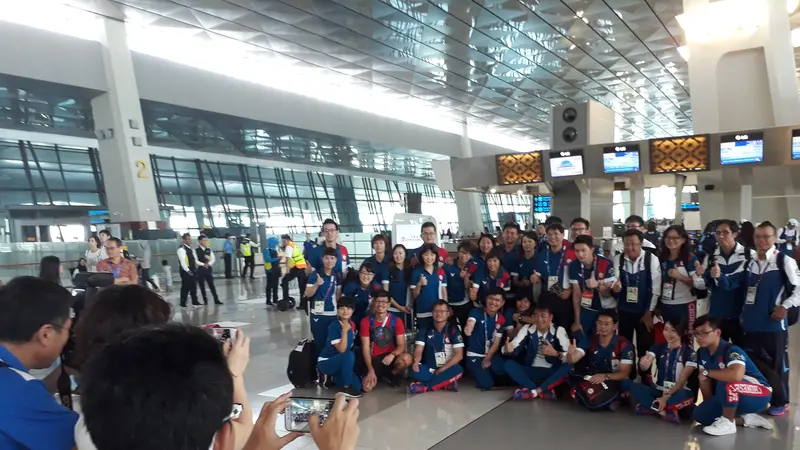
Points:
[302,408]
[223,334]
[655,406]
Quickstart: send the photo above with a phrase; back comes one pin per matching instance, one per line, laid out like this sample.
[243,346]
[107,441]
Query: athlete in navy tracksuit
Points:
[324,290]
[438,353]
[587,275]
[544,366]
[723,303]
[766,305]
[734,390]
[484,330]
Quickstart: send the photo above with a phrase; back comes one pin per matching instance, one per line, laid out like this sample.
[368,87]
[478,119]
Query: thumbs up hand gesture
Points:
[509,347]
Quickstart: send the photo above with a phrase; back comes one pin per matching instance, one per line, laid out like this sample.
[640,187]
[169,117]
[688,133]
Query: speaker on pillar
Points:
[576,125]
[413,203]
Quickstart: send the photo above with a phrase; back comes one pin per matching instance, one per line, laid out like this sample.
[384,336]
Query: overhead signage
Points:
[621,158]
[742,148]
[566,163]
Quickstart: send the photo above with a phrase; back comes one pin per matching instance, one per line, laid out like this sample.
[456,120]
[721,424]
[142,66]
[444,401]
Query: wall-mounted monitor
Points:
[795,144]
[742,148]
[676,155]
[621,158]
[566,163]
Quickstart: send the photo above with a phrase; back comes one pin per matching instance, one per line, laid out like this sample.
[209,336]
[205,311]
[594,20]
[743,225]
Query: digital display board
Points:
[795,144]
[621,158]
[566,163]
[681,154]
[742,148]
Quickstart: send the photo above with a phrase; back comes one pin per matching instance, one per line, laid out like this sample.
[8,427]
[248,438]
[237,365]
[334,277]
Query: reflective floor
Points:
[392,419]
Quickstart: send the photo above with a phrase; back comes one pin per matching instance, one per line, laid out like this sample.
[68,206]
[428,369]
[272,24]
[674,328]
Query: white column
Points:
[122,142]
[586,199]
[468,204]
[636,188]
[745,194]
[680,181]
[754,69]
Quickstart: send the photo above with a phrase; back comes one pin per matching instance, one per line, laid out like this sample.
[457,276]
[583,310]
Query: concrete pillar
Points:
[585,190]
[745,194]
[601,204]
[468,204]
[636,189]
[122,142]
[680,181]
[764,67]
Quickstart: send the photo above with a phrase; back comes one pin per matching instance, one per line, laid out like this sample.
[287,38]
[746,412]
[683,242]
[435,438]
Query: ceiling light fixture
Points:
[722,20]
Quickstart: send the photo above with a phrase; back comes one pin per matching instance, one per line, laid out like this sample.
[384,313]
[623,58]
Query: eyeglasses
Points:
[578,230]
[381,301]
[702,334]
[429,234]
[329,230]
[236,411]
[604,324]
[366,274]
[632,226]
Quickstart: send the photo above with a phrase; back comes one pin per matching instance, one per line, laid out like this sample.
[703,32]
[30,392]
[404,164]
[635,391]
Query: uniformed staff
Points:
[206,259]
[188,262]
[246,248]
[294,266]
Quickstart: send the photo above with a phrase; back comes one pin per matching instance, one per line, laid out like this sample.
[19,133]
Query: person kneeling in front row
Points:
[484,331]
[606,361]
[675,363]
[545,366]
[337,358]
[438,354]
[733,388]
[383,344]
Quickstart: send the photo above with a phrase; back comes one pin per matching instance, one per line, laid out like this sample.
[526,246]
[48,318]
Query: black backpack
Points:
[788,287]
[302,369]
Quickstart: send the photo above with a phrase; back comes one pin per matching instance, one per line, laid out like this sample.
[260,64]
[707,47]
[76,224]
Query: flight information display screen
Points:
[743,148]
[566,163]
[796,144]
[621,158]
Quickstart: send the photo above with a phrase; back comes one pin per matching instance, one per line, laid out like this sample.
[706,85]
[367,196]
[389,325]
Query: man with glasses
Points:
[544,366]
[604,357]
[727,261]
[363,290]
[635,222]
[34,327]
[438,354]
[123,270]
[428,234]
[734,390]
[330,232]
[511,249]
[788,237]
[770,284]
[383,345]
[550,270]
[580,227]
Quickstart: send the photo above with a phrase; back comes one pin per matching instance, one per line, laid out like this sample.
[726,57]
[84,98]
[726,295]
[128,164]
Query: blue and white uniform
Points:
[439,347]
[750,395]
[537,370]
[670,365]
[341,365]
[602,270]
[678,303]
[322,307]
[342,258]
[430,293]
[487,330]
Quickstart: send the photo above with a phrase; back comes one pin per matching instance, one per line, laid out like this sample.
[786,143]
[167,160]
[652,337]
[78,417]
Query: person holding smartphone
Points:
[675,362]
[337,358]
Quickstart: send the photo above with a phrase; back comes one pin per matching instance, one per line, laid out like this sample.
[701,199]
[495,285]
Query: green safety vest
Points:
[246,250]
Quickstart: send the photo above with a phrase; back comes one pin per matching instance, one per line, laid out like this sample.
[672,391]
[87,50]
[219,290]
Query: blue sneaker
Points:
[548,395]
[452,387]
[524,394]
[417,388]
[643,410]
[779,410]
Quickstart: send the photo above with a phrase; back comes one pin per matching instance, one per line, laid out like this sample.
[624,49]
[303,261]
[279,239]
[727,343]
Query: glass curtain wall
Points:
[498,209]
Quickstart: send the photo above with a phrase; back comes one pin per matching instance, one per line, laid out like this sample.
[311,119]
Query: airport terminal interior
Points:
[261,119]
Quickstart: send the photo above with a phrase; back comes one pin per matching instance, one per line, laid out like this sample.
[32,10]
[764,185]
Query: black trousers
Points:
[563,314]
[731,331]
[302,278]
[228,265]
[206,275]
[272,285]
[776,345]
[249,262]
[188,286]
[630,322]
[461,313]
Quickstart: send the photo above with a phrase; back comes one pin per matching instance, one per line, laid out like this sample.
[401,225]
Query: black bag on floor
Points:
[285,304]
[596,397]
[302,369]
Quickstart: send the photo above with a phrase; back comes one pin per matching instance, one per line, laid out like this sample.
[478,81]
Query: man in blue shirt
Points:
[330,231]
[734,390]
[771,287]
[483,331]
[551,272]
[581,227]
[591,277]
[728,260]
[510,249]
[438,354]
[323,291]
[227,250]
[34,327]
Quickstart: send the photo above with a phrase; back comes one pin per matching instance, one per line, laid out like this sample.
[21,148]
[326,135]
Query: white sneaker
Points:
[721,427]
[756,421]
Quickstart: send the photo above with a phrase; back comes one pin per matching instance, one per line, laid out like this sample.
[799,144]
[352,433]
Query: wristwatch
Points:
[705,373]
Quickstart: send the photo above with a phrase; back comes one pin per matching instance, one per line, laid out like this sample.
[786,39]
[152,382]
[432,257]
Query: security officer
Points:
[294,267]
[772,287]
[206,259]
[188,264]
[249,259]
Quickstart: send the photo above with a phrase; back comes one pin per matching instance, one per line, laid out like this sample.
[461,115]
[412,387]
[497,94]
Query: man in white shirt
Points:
[188,262]
[206,259]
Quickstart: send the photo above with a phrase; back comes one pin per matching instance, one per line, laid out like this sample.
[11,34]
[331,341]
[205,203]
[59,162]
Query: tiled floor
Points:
[391,419]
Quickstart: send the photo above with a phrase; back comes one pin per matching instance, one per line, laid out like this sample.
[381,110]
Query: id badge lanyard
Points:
[443,352]
[671,281]
[581,274]
[560,261]
[751,290]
